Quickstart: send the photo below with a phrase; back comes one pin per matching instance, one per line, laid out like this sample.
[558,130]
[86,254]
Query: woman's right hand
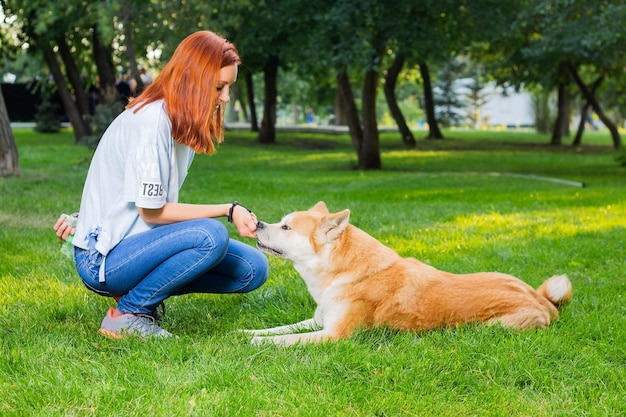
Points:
[62,229]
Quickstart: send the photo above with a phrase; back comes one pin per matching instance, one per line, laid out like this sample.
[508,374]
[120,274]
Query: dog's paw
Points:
[259,336]
[252,332]
[260,340]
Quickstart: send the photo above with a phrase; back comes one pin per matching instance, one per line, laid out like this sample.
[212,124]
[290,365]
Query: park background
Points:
[359,64]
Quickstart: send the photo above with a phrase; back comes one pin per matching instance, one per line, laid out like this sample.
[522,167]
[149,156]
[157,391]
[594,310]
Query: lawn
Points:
[501,201]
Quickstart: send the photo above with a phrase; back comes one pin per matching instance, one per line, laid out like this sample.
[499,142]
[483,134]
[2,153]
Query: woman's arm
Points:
[244,221]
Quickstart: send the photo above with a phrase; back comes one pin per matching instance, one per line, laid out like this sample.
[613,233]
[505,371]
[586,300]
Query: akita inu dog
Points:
[357,282]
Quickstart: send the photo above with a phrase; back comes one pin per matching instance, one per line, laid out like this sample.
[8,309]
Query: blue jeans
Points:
[195,256]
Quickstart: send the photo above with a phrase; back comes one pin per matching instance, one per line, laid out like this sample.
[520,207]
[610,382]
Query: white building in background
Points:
[502,106]
[506,107]
[9,78]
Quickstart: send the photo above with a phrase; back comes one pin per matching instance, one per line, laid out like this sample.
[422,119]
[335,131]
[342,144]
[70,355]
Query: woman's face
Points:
[226,77]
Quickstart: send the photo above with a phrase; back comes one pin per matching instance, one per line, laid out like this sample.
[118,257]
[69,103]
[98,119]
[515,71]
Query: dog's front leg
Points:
[332,321]
[292,339]
[290,328]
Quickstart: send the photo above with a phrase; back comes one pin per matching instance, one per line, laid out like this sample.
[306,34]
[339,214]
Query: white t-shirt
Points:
[137,164]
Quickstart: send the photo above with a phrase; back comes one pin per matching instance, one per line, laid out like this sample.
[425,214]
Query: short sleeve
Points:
[146,177]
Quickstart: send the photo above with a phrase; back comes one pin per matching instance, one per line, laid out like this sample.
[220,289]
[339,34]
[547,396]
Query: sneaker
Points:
[131,325]
[155,314]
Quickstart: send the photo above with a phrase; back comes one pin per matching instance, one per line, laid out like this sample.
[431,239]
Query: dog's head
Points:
[302,235]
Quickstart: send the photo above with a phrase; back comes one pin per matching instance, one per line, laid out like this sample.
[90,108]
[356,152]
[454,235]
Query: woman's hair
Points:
[188,85]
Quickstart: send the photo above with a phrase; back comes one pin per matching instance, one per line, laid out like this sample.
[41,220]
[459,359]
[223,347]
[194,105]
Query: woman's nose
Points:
[225,95]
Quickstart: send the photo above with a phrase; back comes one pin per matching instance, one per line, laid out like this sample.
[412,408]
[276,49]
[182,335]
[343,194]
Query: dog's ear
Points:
[334,224]
[320,207]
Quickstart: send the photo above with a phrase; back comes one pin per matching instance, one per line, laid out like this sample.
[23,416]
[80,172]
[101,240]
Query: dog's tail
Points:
[557,289]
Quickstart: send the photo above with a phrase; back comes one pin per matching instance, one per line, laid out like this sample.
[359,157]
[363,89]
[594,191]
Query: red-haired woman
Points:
[134,240]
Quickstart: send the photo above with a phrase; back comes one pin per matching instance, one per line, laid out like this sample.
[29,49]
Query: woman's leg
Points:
[243,269]
[149,267]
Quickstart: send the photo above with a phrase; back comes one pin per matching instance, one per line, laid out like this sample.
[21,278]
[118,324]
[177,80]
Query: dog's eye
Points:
[285,227]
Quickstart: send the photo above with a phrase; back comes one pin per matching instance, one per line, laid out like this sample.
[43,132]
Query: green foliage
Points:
[521,43]
[107,110]
[621,157]
[449,105]
[468,203]
[543,107]
[47,117]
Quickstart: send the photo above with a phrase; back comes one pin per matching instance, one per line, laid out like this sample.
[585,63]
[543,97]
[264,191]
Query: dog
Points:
[357,282]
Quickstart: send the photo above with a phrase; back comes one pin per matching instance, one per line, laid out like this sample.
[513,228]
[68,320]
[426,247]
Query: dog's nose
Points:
[260,225]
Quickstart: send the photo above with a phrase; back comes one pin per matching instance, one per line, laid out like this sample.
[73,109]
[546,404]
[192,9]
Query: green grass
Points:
[476,201]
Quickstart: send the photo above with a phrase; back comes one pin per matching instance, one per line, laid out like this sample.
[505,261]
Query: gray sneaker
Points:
[131,325]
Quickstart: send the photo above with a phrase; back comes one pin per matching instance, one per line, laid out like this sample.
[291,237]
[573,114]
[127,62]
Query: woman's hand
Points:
[62,229]
[245,221]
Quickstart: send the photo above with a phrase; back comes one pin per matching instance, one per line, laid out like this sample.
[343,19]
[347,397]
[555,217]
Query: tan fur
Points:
[357,282]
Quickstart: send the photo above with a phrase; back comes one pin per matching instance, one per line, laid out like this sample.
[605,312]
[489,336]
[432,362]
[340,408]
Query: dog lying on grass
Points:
[357,282]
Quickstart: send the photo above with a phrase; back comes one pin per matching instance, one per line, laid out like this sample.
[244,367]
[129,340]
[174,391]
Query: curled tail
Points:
[557,289]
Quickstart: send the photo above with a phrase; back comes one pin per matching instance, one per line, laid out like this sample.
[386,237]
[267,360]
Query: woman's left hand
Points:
[245,221]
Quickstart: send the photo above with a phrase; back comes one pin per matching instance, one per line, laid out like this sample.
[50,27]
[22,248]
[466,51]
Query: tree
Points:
[72,36]
[352,38]
[595,105]
[249,83]
[585,36]
[549,43]
[9,160]
[431,33]
[585,113]
[9,163]
[419,36]
[448,102]
[390,95]
[475,100]
[429,103]
[263,41]
[48,33]
[81,128]
[561,125]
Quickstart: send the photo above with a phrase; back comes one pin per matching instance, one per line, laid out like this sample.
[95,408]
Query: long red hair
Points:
[188,85]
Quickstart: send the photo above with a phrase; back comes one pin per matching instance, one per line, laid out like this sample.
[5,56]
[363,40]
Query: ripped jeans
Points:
[195,256]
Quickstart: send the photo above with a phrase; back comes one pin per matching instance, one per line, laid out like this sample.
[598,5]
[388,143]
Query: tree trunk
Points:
[243,104]
[267,134]
[581,124]
[351,113]
[104,64]
[390,94]
[429,104]
[9,161]
[73,75]
[127,19]
[254,121]
[66,97]
[617,142]
[232,104]
[341,118]
[562,116]
[370,150]
[583,113]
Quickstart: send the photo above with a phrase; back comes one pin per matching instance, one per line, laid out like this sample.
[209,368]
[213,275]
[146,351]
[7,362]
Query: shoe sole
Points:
[110,335]
[117,336]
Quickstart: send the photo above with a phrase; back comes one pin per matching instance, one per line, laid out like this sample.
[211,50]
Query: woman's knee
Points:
[211,234]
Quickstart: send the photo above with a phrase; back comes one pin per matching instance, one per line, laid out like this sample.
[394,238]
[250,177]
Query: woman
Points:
[134,240]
